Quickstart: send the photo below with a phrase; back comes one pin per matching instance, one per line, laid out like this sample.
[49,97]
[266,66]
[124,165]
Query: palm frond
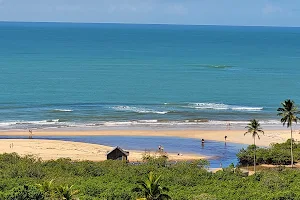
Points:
[257,136]
[253,128]
[280,110]
[151,187]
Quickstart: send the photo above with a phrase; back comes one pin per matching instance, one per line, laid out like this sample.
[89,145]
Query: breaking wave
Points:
[184,123]
[219,66]
[138,109]
[220,106]
[212,66]
[162,123]
[62,110]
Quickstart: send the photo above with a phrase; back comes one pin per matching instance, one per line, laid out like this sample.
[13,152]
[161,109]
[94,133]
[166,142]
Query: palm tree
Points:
[289,112]
[151,188]
[66,192]
[254,128]
[47,188]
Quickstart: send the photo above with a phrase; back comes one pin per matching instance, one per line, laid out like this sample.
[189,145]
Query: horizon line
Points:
[156,24]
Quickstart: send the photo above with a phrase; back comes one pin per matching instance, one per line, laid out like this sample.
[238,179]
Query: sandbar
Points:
[234,136]
[54,149]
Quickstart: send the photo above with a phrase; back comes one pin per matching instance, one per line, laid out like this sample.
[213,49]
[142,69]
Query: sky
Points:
[200,12]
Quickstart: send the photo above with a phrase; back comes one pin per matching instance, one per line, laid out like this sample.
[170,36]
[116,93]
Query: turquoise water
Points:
[107,75]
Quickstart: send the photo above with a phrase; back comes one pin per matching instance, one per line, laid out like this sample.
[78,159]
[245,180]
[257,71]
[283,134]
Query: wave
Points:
[52,120]
[62,110]
[209,123]
[212,66]
[25,123]
[162,123]
[138,110]
[220,106]
[219,66]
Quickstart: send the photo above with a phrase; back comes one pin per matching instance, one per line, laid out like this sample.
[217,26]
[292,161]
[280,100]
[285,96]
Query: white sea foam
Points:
[220,106]
[271,122]
[25,123]
[147,121]
[51,121]
[138,109]
[134,123]
[63,110]
[247,108]
[5,124]
[125,123]
[185,123]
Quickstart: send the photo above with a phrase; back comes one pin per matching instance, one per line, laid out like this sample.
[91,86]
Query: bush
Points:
[116,179]
[277,154]
[24,193]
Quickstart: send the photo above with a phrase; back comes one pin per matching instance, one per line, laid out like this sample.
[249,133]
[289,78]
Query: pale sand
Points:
[235,136]
[53,149]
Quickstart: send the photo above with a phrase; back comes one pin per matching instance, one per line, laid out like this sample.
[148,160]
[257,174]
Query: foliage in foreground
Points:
[151,189]
[28,178]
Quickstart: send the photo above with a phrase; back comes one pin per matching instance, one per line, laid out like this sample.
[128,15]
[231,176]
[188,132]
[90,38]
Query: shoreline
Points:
[136,125]
[79,151]
[233,136]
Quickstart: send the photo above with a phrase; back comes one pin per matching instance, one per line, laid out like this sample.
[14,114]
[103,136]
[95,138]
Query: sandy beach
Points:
[235,136]
[53,149]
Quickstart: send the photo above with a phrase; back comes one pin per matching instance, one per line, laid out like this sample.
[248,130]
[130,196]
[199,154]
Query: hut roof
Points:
[119,148]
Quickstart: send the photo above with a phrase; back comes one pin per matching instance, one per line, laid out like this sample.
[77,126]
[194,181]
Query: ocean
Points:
[97,76]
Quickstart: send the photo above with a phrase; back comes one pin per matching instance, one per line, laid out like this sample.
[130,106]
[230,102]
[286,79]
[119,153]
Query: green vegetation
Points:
[289,112]
[151,189]
[276,154]
[253,129]
[31,179]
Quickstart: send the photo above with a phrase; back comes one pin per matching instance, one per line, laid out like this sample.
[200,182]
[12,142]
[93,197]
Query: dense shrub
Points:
[277,154]
[113,180]
[25,192]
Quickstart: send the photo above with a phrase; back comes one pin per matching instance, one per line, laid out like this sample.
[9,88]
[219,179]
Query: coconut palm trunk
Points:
[254,155]
[292,157]
[253,129]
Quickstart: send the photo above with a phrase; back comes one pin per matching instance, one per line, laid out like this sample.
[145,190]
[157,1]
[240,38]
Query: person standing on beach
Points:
[30,134]
[228,126]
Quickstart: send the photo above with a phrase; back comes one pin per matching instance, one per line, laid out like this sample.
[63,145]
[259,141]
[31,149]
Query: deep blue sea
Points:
[111,75]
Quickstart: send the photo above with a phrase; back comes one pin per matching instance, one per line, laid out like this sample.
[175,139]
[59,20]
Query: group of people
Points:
[228,128]
[202,140]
